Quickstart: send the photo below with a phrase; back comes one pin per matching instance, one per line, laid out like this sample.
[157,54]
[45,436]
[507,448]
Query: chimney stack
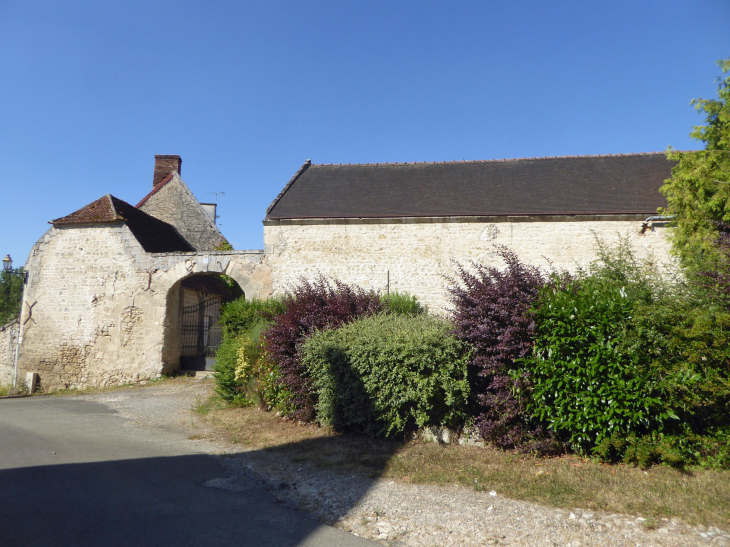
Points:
[164,165]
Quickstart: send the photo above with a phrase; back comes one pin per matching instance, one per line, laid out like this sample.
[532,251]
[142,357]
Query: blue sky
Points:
[246,91]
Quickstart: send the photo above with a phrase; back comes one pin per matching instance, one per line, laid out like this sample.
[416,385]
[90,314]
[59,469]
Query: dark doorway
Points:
[202,298]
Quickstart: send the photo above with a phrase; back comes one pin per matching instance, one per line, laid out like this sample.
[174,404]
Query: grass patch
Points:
[695,496]
[4,390]
[213,402]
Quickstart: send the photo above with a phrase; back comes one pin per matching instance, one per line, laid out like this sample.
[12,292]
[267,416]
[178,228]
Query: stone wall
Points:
[175,204]
[99,310]
[8,345]
[418,254]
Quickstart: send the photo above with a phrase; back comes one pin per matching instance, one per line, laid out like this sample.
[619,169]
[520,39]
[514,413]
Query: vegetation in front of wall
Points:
[311,306]
[262,338]
[11,294]
[237,360]
[490,314]
[631,365]
[698,192]
[402,303]
[617,361]
[388,374]
[583,379]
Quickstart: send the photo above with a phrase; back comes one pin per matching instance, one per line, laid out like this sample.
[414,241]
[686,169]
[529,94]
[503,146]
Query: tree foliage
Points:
[699,191]
[11,294]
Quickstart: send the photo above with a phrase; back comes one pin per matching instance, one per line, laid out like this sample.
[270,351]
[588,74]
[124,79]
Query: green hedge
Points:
[632,365]
[584,382]
[388,374]
[241,315]
[237,359]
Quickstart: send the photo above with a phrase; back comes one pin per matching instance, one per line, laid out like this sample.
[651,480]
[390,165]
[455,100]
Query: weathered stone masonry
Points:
[104,294]
[8,347]
[99,310]
[418,254]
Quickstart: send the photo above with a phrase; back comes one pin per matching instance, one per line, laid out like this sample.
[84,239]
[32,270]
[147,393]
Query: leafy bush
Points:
[224,371]
[402,303]
[310,306]
[490,313]
[582,382]
[242,321]
[632,364]
[388,374]
[241,315]
[678,450]
[269,388]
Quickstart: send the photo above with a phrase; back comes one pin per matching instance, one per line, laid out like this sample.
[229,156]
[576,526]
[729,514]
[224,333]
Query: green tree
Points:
[11,293]
[699,191]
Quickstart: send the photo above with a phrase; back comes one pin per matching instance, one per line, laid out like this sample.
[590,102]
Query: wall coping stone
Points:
[210,253]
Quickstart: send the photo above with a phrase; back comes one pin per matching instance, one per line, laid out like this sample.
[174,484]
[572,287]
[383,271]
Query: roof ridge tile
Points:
[622,154]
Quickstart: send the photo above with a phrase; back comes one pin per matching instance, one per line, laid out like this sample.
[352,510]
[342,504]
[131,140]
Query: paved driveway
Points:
[73,472]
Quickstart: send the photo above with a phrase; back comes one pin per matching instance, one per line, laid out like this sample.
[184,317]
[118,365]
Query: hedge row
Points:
[616,360]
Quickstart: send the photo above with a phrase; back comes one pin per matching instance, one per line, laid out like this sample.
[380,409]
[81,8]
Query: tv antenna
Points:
[216,194]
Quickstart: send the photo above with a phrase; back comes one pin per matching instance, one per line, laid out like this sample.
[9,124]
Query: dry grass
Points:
[696,497]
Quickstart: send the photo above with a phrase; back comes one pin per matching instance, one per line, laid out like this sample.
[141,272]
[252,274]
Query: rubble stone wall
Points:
[175,204]
[418,255]
[8,344]
[98,310]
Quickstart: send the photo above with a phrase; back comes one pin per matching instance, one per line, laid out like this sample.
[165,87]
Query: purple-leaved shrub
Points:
[490,313]
[310,307]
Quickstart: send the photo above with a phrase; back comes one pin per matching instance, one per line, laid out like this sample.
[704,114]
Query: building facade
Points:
[110,288]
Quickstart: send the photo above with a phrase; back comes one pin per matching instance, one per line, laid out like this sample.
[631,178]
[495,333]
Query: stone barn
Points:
[117,293]
[401,226]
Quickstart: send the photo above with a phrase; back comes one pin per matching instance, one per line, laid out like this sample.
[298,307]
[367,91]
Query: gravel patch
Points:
[390,512]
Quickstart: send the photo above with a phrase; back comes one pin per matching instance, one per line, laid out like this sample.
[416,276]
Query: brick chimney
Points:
[164,165]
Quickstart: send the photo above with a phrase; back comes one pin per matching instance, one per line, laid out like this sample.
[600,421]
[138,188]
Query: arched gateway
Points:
[93,318]
[104,294]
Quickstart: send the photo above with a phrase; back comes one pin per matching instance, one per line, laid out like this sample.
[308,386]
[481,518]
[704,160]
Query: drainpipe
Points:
[662,218]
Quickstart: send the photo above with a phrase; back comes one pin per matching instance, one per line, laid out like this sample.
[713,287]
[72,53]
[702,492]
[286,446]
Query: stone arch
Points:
[245,270]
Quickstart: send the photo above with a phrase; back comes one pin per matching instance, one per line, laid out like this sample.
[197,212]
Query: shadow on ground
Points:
[178,500]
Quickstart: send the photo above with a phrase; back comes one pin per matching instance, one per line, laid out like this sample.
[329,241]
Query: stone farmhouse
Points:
[117,293]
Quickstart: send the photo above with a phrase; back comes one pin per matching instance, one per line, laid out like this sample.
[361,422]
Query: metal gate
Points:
[201,333]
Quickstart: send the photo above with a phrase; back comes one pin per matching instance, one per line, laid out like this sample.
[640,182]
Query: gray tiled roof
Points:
[577,185]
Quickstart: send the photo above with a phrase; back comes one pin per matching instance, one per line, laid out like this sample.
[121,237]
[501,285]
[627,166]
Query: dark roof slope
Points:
[578,185]
[153,234]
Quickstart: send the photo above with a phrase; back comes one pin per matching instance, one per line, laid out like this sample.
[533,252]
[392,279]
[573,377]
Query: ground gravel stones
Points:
[394,513]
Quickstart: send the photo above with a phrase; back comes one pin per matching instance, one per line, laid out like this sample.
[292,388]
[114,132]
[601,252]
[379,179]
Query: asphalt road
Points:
[72,473]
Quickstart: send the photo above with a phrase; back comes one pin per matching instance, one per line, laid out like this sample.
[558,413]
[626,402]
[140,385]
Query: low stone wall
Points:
[8,347]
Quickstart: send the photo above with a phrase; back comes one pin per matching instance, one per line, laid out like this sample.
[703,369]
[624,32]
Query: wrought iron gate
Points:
[201,330]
